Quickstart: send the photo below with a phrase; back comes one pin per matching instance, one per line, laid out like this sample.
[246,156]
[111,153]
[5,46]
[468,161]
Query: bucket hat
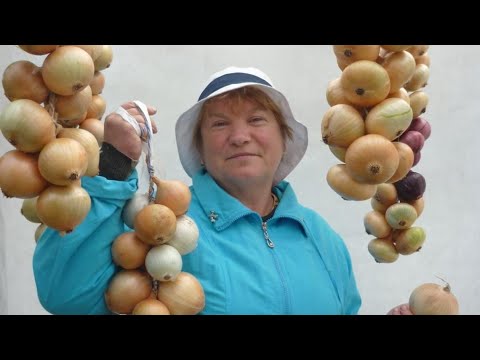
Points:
[226,80]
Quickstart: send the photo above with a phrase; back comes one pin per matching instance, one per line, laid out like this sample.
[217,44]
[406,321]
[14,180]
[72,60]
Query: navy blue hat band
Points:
[230,79]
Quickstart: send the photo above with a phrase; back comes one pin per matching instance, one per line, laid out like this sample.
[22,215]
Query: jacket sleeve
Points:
[72,272]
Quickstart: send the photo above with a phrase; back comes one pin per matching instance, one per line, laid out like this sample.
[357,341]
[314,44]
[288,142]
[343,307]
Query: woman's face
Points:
[242,145]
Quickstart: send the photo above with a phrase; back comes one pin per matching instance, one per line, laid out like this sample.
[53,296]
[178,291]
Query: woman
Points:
[259,251]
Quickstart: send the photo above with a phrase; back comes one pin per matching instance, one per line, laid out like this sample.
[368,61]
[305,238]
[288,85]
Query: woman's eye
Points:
[256,119]
[219,123]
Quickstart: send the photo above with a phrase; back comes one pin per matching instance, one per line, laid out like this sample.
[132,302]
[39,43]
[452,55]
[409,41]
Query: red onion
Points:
[416,158]
[411,187]
[422,126]
[414,139]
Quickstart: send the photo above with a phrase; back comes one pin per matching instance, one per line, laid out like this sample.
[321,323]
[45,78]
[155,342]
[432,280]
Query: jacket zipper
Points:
[270,243]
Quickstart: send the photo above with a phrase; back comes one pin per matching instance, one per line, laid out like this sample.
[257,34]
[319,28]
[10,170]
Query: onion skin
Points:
[150,307]
[383,250]
[433,299]
[411,187]
[376,225]
[128,251]
[409,241]
[173,194]
[133,207]
[341,125]
[104,59]
[184,296]
[422,126]
[414,139]
[38,49]
[23,80]
[349,189]
[155,224]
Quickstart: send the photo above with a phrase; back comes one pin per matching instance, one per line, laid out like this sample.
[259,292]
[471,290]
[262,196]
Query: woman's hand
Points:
[122,136]
[403,309]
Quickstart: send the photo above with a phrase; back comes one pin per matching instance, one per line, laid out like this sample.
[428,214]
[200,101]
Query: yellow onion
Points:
[383,250]
[433,299]
[74,106]
[423,59]
[342,125]
[342,63]
[401,215]
[62,161]
[338,151]
[89,143]
[395,48]
[39,231]
[150,307]
[418,103]
[67,70]
[183,296]
[93,50]
[185,238]
[390,118]
[365,83]
[23,80]
[63,207]
[19,175]
[126,289]
[402,94]
[128,251]
[95,127]
[351,53]
[405,163]
[163,262]
[27,125]
[38,49]
[371,159]
[335,94]
[105,58]
[418,204]
[419,79]
[97,107]
[98,83]
[72,123]
[376,225]
[400,67]
[418,50]
[155,224]
[343,184]
[29,210]
[410,240]
[173,194]
[385,196]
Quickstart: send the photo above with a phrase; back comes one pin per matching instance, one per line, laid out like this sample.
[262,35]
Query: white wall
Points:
[170,78]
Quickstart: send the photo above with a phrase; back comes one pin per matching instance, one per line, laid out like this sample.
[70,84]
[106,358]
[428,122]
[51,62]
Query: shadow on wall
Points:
[3,267]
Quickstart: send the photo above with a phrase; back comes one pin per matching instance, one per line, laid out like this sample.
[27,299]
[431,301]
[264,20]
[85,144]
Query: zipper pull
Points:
[270,243]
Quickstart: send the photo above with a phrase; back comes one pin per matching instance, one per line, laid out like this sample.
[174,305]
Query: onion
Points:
[38,49]
[29,210]
[400,67]
[155,224]
[386,195]
[63,207]
[98,83]
[173,194]
[365,83]
[351,53]
[419,205]
[97,107]
[94,126]
[74,106]
[422,126]
[419,78]
[132,207]
[423,59]
[418,50]
[335,93]
[62,161]
[27,125]
[39,231]
[105,58]
[413,139]
[409,241]
[401,94]
[93,50]
[23,80]
[376,225]
[406,158]
[342,125]
[19,175]
[395,48]
[401,215]
[411,187]
[89,143]
[390,118]
[416,158]
[338,151]
[433,299]
[67,70]
[163,263]
[383,250]
[150,307]
[184,296]
[128,251]
[126,289]
[371,159]
[343,184]
[418,102]
[185,238]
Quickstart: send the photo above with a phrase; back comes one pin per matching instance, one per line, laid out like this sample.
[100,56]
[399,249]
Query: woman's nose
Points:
[239,135]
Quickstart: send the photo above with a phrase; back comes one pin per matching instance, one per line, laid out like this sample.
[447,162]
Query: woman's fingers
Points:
[138,115]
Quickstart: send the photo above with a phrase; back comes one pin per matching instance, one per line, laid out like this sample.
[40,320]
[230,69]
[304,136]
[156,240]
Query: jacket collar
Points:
[223,210]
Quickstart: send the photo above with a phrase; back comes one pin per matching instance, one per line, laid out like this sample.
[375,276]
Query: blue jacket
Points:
[307,270]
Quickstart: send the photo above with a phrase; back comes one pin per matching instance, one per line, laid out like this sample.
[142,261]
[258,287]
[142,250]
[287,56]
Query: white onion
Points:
[163,262]
[132,207]
[185,239]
